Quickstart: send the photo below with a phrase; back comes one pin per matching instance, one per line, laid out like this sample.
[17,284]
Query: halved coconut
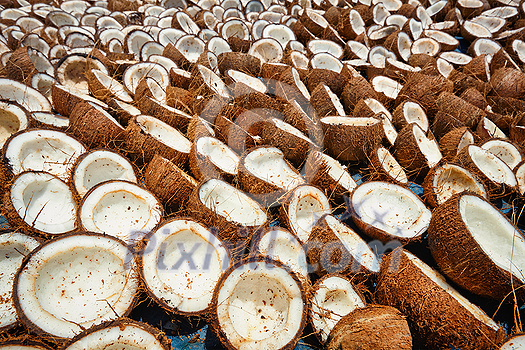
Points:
[387,211]
[123,333]
[477,247]
[495,173]
[209,157]
[23,345]
[27,97]
[351,138]
[65,99]
[26,62]
[416,151]
[267,50]
[135,73]
[104,87]
[334,247]
[47,150]
[303,206]
[447,179]
[13,118]
[147,135]
[326,102]
[371,327]
[505,150]
[334,296]
[329,175]
[259,303]
[280,244]
[181,263]
[515,342]
[14,246]
[438,316]
[99,165]
[207,83]
[266,175]
[385,167]
[454,141]
[73,282]
[70,70]
[120,209]
[410,112]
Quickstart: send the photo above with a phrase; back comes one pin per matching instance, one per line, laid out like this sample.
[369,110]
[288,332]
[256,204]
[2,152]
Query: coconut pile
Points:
[317,172]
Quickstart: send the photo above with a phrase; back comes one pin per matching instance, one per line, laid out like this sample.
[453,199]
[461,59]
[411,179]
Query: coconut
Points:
[209,157]
[70,70]
[120,209]
[386,211]
[23,345]
[515,342]
[447,179]
[66,98]
[236,216]
[356,89]
[505,150]
[508,82]
[326,102]
[147,135]
[89,278]
[133,75]
[239,61]
[181,263]
[13,118]
[375,327]
[270,299]
[94,126]
[495,174]
[409,112]
[122,332]
[99,165]
[351,138]
[329,175]
[424,89]
[301,209]
[104,87]
[438,316]
[303,117]
[14,246]
[281,245]
[148,88]
[334,297]
[384,167]
[462,239]
[266,175]
[165,113]
[334,247]
[26,62]
[416,151]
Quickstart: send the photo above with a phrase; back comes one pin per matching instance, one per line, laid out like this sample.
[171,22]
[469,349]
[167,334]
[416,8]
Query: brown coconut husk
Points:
[165,113]
[237,138]
[460,109]
[357,89]
[178,79]
[474,97]
[20,67]
[461,258]
[435,318]
[302,33]
[202,166]
[305,119]
[477,68]
[179,98]
[508,82]
[381,171]
[374,327]
[239,61]
[449,143]
[444,123]
[171,52]
[94,128]
[463,81]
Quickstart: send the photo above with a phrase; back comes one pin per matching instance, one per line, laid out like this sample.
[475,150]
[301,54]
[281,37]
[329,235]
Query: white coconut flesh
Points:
[318,45]
[235,28]
[334,298]
[190,47]
[498,238]
[186,23]
[121,336]
[231,203]
[359,49]
[135,73]
[387,86]
[466,139]
[515,343]
[279,244]
[444,67]
[213,81]
[350,121]
[377,56]
[306,206]
[492,129]
[391,166]
[182,263]
[287,128]
[121,209]
[299,84]
[167,63]
[27,97]
[413,113]
[491,166]
[99,166]
[325,60]
[429,147]
[354,244]
[14,246]
[338,172]
[44,202]
[260,305]
[106,114]
[136,40]
[503,12]
[43,150]
[81,95]
[126,107]
[299,60]
[427,46]
[75,282]
[218,45]
[450,179]
[70,72]
[402,66]
[440,281]
[249,80]
[336,102]
[279,32]
[12,119]
[267,50]
[112,85]
[157,91]
[520,178]
[493,24]
[397,20]
[218,153]
[268,164]
[391,208]
[505,151]
[163,133]
[40,62]
[457,58]
[518,46]
[377,107]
